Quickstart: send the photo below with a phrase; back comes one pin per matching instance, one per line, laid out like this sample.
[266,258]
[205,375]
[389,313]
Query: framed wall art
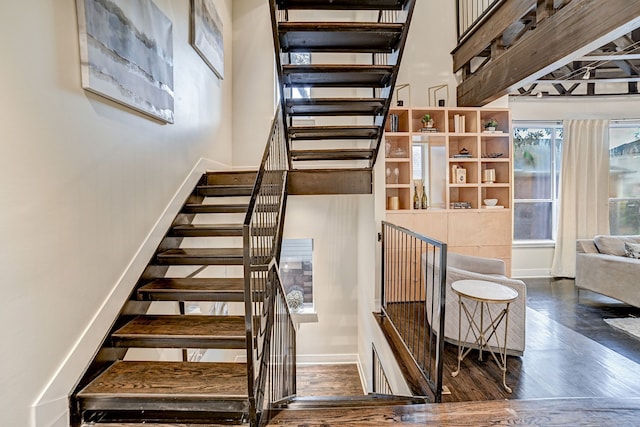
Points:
[126,52]
[206,34]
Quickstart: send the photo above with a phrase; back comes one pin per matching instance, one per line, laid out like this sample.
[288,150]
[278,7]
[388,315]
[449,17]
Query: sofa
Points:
[603,267]
[461,267]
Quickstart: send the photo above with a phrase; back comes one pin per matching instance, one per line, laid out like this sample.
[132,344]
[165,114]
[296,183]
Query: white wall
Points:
[332,223]
[254,86]
[83,182]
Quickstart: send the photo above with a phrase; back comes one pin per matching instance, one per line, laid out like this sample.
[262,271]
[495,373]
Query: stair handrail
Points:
[413,298]
[278,15]
[262,241]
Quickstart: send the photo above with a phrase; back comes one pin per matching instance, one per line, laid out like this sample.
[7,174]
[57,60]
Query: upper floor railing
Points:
[471,14]
[270,334]
[413,298]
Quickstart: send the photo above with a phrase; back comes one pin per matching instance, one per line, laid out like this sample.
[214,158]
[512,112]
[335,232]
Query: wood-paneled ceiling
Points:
[551,48]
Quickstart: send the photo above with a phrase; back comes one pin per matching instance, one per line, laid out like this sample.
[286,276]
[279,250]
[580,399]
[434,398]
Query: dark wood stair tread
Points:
[206,230]
[353,75]
[182,331]
[339,36]
[334,106]
[201,256]
[198,208]
[341,4]
[239,177]
[145,385]
[225,190]
[345,154]
[194,289]
[333,132]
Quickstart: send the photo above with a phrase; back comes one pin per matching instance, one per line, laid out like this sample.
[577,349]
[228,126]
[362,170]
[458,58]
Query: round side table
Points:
[482,292]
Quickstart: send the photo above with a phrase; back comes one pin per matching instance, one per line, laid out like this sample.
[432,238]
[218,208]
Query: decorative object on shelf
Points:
[490,202]
[295,299]
[489,176]
[432,92]
[387,149]
[458,175]
[393,122]
[400,102]
[427,122]
[460,205]
[492,155]
[143,78]
[206,35]
[491,125]
[396,175]
[399,152]
[388,175]
[393,203]
[463,153]
[416,195]
[424,201]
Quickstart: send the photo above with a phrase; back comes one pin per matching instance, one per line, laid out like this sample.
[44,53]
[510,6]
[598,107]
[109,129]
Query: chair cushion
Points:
[614,245]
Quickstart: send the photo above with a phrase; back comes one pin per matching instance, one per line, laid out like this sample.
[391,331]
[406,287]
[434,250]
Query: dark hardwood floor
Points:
[570,351]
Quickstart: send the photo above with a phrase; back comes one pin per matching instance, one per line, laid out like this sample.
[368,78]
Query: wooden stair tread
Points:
[334,106]
[198,208]
[201,256]
[323,75]
[194,289]
[339,36]
[225,190]
[206,230]
[333,132]
[345,154]
[182,331]
[178,381]
[341,4]
[239,177]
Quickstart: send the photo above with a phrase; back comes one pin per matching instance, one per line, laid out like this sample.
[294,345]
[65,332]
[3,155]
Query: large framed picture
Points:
[206,35]
[126,52]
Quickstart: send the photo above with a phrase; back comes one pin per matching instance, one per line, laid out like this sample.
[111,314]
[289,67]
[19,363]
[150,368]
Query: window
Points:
[301,59]
[624,178]
[296,268]
[536,169]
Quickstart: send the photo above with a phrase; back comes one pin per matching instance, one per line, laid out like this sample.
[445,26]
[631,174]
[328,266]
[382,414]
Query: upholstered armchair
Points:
[461,267]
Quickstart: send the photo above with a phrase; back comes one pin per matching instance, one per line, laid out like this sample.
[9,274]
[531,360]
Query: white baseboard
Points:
[531,273]
[51,408]
[326,359]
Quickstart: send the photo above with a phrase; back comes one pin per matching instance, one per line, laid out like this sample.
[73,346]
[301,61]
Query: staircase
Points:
[200,261]
[353,70]
[210,297]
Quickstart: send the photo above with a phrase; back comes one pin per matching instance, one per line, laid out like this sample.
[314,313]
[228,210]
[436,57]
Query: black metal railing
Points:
[262,239]
[413,298]
[278,362]
[471,14]
[379,380]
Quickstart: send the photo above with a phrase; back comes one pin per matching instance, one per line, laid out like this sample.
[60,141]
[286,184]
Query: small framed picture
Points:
[461,176]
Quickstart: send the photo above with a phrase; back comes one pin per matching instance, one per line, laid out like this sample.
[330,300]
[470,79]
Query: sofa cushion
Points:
[632,250]
[614,245]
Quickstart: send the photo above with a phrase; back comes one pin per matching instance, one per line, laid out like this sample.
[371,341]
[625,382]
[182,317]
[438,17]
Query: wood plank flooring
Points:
[328,380]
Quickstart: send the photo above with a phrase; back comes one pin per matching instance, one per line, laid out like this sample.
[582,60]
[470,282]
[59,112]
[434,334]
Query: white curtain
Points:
[584,190]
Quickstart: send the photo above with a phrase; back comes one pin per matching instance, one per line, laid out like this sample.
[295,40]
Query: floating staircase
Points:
[194,267]
[170,357]
[353,69]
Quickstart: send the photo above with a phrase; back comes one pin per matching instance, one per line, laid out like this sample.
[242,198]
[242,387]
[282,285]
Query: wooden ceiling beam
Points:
[495,25]
[591,24]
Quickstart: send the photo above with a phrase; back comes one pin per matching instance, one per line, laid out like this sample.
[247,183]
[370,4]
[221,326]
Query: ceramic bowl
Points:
[490,202]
